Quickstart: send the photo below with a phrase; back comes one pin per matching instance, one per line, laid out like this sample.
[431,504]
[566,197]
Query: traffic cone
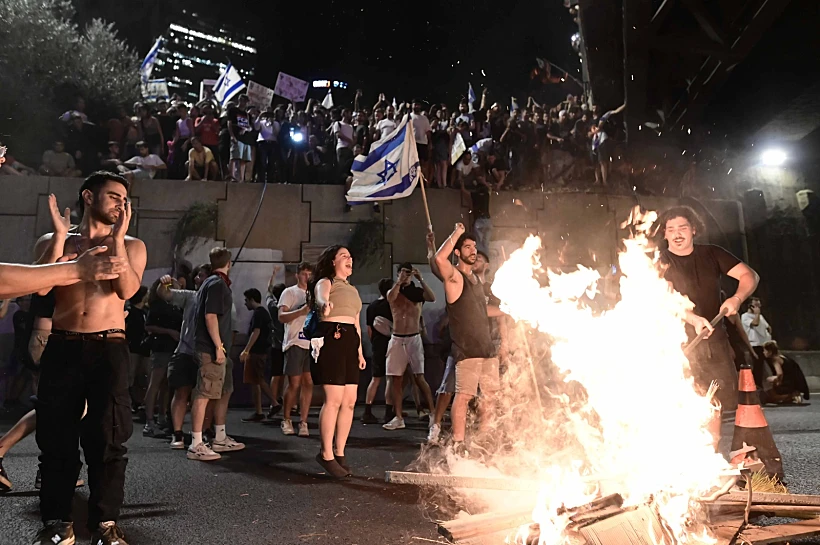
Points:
[751,427]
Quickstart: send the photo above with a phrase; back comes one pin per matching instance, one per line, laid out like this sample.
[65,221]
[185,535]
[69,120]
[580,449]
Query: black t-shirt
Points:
[377,308]
[135,331]
[362,132]
[23,322]
[697,276]
[165,315]
[414,293]
[260,320]
[42,306]
[214,297]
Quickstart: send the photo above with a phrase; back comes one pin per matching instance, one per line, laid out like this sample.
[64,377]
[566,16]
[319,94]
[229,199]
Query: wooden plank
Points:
[474,526]
[726,530]
[757,535]
[456,481]
[770,498]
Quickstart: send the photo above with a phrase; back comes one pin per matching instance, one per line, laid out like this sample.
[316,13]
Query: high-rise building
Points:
[196,48]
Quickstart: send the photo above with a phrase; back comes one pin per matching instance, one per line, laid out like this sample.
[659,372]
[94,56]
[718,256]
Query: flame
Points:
[640,428]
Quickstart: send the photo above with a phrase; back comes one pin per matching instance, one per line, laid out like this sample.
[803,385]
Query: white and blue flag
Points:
[470,96]
[513,104]
[389,171]
[150,59]
[228,85]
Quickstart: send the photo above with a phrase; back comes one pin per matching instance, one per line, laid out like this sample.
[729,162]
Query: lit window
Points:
[215,39]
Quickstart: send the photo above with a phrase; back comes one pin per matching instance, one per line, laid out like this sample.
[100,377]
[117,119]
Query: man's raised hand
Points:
[121,225]
[62,222]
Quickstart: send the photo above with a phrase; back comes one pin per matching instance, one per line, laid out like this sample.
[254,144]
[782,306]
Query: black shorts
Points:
[338,362]
[182,371]
[423,151]
[277,362]
[380,358]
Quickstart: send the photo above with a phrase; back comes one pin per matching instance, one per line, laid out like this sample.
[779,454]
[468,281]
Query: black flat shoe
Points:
[332,467]
[341,461]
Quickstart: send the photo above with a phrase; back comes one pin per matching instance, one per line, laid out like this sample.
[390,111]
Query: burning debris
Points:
[598,410]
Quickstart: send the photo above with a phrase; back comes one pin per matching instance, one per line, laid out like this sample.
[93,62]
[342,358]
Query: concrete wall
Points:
[296,222]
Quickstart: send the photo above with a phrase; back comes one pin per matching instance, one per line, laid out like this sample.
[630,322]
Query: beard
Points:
[107,218]
[469,260]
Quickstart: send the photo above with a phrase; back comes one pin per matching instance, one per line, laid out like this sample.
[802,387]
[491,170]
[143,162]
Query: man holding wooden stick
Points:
[695,270]
[469,328]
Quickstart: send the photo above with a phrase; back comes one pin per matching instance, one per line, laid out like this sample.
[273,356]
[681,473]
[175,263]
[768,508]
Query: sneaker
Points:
[396,424]
[5,483]
[153,430]
[368,418]
[108,534]
[273,411]
[38,481]
[432,435]
[255,417]
[287,427]
[177,444]
[202,453]
[423,414]
[227,445]
[55,532]
[303,429]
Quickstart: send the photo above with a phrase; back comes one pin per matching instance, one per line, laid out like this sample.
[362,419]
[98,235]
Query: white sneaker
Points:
[396,424]
[303,429]
[227,445]
[287,427]
[202,453]
[177,445]
[432,435]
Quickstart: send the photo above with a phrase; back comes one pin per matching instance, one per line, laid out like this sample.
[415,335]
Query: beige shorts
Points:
[213,380]
[477,372]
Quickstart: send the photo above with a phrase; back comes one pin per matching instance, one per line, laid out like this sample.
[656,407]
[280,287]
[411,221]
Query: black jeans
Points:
[73,372]
[268,161]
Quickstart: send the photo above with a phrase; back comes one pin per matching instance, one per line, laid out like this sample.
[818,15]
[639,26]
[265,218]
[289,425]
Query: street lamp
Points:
[773,157]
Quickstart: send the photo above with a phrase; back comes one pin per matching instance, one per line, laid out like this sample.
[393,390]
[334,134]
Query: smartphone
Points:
[3,150]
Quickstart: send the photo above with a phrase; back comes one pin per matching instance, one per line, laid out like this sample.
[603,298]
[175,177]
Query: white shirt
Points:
[386,126]
[152,161]
[268,129]
[758,335]
[465,170]
[294,298]
[421,125]
[340,127]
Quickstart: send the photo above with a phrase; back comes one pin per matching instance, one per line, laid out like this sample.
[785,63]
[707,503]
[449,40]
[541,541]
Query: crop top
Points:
[345,299]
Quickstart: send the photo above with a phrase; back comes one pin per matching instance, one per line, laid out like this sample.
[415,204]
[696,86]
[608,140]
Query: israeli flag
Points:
[513,104]
[389,171]
[228,85]
[471,96]
[147,65]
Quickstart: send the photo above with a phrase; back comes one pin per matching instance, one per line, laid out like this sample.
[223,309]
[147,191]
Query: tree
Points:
[46,60]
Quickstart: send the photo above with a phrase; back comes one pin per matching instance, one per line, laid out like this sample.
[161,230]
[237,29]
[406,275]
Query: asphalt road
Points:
[274,492]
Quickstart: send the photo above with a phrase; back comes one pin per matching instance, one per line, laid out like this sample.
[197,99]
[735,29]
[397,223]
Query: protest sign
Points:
[293,89]
[206,85]
[459,147]
[155,89]
[259,95]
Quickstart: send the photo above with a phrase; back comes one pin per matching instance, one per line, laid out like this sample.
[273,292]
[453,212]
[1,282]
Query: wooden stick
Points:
[787,511]
[781,532]
[477,525]
[455,481]
[697,340]
[424,200]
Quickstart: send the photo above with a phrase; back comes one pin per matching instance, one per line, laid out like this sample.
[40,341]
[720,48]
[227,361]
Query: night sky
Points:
[424,48]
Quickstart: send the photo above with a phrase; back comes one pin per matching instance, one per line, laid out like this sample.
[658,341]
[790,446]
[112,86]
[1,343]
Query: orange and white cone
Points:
[751,427]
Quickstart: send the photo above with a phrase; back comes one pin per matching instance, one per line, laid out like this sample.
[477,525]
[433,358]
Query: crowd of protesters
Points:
[533,146]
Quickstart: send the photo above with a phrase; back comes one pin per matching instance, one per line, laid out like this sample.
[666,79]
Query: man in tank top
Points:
[472,348]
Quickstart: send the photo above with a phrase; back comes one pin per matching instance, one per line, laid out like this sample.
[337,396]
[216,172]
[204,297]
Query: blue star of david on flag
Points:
[385,174]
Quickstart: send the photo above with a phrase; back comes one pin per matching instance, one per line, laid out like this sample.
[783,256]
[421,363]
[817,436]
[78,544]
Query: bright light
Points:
[297,137]
[773,157]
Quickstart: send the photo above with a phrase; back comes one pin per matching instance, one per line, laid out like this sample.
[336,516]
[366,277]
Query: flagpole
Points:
[424,199]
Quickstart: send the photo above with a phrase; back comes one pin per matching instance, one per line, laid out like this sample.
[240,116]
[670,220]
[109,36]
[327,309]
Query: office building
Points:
[196,49]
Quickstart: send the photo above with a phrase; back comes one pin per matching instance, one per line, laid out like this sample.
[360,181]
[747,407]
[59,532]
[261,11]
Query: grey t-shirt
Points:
[186,300]
[213,297]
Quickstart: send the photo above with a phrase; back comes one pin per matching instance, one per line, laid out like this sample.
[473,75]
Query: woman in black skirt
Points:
[337,350]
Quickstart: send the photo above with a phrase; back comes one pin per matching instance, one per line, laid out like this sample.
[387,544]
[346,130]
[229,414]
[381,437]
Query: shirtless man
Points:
[86,360]
[406,347]
[468,311]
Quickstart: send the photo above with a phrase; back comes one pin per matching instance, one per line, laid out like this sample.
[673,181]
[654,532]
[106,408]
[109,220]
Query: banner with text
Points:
[205,86]
[292,88]
[155,89]
[259,95]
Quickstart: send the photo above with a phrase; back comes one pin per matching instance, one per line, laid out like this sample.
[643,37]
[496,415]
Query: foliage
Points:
[46,60]
[198,221]
[367,241]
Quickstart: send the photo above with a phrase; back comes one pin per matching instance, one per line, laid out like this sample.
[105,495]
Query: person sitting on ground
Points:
[112,163]
[146,164]
[201,164]
[788,384]
[13,167]
[57,162]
